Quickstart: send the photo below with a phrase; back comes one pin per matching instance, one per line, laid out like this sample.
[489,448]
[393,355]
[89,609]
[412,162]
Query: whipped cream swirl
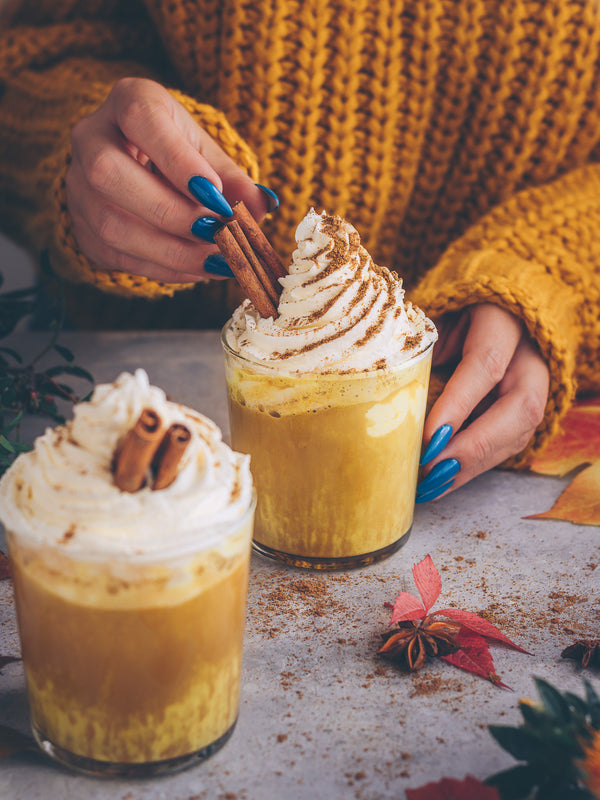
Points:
[63,492]
[338,311]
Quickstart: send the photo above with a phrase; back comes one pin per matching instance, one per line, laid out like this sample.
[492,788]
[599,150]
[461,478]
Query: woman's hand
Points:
[128,185]
[491,405]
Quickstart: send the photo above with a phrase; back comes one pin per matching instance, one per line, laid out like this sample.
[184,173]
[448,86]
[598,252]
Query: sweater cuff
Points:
[68,260]
[528,291]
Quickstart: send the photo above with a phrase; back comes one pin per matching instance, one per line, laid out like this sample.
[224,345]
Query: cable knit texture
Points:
[461,138]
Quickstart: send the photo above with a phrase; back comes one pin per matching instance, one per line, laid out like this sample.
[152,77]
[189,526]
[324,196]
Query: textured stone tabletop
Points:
[322,716]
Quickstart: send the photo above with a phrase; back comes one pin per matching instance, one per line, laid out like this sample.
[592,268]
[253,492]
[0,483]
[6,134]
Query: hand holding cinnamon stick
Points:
[252,260]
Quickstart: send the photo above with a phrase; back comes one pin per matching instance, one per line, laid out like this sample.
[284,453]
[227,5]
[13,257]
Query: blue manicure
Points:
[431,495]
[205,227]
[274,200]
[439,440]
[217,265]
[440,474]
[207,193]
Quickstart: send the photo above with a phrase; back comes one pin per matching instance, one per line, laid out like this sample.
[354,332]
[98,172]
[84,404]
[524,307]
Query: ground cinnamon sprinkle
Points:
[303,598]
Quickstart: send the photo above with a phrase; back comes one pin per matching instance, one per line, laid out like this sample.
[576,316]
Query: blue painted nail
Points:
[424,498]
[207,193]
[205,227]
[440,474]
[274,200]
[439,440]
[217,265]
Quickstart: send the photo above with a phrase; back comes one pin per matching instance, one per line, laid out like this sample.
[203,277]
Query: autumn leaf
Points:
[4,567]
[578,442]
[580,501]
[452,789]
[462,642]
[13,742]
[478,625]
[577,445]
[474,656]
[428,581]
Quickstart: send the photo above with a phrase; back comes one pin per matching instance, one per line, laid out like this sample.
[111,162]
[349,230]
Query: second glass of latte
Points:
[329,399]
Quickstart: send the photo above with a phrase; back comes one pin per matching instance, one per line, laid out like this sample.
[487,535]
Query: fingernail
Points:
[205,227]
[217,265]
[273,199]
[424,498]
[207,193]
[439,440]
[440,474]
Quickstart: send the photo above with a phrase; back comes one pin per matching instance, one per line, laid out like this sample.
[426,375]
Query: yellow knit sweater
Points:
[461,138]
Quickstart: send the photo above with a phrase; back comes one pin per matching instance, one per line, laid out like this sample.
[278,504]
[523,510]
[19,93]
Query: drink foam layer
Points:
[63,491]
[338,312]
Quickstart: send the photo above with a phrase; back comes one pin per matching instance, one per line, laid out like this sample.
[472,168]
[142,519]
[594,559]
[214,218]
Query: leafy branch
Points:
[25,388]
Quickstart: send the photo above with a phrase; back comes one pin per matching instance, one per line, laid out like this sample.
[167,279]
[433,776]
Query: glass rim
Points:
[283,373]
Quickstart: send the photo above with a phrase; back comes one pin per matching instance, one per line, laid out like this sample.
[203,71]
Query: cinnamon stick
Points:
[242,269]
[137,451]
[169,455]
[271,286]
[259,243]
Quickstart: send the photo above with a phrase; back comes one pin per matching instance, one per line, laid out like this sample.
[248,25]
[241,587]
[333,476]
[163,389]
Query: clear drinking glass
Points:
[334,457]
[133,665]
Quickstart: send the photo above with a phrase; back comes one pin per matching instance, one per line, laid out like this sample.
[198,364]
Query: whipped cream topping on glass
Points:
[63,491]
[338,311]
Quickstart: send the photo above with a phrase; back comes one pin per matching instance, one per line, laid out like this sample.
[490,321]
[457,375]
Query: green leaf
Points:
[65,352]
[558,791]
[69,369]
[516,783]
[5,444]
[521,743]
[553,700]
[13,353]
[577,703]
[534,715]
[593,702]
[13,424]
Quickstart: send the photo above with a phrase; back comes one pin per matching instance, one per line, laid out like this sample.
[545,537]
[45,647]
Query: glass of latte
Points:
[328,399]
[130,559]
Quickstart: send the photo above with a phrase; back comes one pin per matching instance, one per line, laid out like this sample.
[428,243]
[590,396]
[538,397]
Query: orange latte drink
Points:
[329,399]
[130,605]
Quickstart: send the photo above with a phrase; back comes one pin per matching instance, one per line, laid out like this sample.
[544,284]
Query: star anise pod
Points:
[586,651]
[414,641]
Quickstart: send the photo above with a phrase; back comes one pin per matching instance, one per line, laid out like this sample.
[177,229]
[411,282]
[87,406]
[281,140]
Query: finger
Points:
[452,329]
[489,346]
[109,258]
[507,427]
[128,234]
[145,113]
[107,168]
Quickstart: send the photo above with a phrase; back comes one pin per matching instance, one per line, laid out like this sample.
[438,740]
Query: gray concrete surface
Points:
[321,715]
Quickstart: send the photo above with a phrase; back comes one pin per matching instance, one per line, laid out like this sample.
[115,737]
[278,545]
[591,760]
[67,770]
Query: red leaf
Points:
[427,581]
[4,567]
[406,607]
[481,626]
[474,656]
[453,789]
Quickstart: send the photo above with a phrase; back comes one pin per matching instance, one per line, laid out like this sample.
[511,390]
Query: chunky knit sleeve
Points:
[50,77]
[538,256]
